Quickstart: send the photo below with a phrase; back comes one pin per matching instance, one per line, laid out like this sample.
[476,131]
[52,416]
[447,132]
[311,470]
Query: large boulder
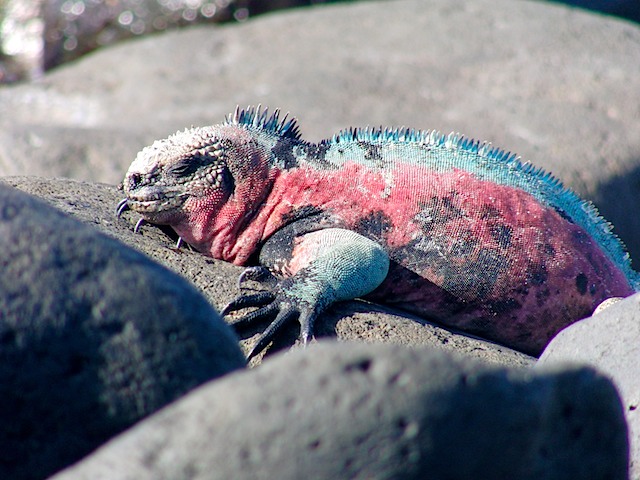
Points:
[94,336]
[610,342]
[343,410]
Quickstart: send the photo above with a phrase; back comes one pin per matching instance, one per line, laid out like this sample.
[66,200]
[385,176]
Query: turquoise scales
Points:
[474,238]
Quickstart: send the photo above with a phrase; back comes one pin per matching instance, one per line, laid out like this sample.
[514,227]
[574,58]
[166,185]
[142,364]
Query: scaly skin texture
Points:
[445,227]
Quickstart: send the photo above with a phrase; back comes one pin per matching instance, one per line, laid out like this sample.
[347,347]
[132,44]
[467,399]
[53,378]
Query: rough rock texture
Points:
[543,80]
[95,204]
[610,342]
[364,411]
[93,337]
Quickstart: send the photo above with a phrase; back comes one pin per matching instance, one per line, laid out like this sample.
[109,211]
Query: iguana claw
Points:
[123,206]
[141,221]
[258,274]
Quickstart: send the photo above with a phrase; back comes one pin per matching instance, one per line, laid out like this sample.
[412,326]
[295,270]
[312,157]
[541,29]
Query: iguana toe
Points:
[245,301]
[285,314]
[258,274]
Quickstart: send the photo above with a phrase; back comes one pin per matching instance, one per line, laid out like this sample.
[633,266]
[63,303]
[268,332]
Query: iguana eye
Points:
[183,168]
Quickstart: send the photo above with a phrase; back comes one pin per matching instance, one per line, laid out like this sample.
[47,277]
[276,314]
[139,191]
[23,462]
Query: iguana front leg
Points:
[319,268]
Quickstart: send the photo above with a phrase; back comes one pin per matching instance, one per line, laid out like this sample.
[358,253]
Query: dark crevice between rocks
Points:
[617,197]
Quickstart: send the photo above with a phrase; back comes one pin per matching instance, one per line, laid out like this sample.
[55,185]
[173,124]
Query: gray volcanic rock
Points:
[610,342]
[543,80]
[93,337]
[217,280]
[341,410]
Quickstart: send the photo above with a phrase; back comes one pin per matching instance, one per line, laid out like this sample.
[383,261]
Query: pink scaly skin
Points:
[468,251]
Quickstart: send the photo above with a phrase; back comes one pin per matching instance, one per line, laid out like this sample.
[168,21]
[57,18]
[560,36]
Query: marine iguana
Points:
[443,226]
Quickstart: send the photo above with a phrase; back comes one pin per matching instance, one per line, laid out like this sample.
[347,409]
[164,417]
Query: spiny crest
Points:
[259,119]
[433,138]
[380,134]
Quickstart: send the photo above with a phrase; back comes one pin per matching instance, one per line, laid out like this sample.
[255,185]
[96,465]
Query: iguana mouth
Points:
[152,203]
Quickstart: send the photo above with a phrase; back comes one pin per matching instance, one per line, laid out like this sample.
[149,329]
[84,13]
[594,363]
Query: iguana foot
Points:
[277,305]
[332,265]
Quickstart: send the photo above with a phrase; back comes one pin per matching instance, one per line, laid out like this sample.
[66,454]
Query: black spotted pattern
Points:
[581,283]
[371,152]
[283,152]
[376,226]
[502,235]
[437,211]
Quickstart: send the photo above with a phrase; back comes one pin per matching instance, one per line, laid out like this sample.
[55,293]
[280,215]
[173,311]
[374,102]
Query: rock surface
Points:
[36,35]
[549,82]
[377,411]
[93,337]
[95,204]
[610,342]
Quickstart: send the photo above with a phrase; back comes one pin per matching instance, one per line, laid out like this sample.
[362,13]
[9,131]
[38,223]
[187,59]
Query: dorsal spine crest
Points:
[258,118]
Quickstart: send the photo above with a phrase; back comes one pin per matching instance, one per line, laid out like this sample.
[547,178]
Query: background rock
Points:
[546,81]
[610,342]
[377,411]
[93,337]
[95,204]
[37,35]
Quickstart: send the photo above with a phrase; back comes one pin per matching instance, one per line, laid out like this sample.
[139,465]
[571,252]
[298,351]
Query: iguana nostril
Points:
[134,181]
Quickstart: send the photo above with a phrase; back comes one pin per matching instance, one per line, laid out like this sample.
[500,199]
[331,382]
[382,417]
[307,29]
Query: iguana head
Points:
[207,182]
[169,177]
